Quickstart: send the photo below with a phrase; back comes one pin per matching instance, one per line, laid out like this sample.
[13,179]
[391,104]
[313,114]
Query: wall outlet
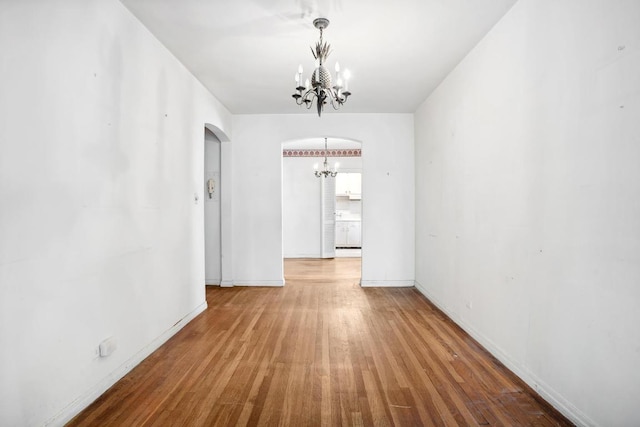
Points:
[107,347]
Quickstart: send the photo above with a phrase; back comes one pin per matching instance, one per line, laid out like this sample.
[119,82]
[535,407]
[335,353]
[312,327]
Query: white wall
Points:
[101,153]
[527,213]
[301,212]
[212,221]
[388,192]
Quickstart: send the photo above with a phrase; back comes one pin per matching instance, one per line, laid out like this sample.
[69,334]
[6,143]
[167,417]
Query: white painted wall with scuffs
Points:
[527,213]
[101,157]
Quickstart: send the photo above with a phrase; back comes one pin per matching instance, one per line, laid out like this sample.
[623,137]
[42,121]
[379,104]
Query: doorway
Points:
[212,209]
[313,211]
[348,212]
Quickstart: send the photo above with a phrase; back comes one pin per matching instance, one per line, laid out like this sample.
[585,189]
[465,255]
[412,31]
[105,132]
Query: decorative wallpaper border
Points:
[346,152]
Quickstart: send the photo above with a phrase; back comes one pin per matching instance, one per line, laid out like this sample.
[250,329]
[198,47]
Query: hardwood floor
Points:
[320,351]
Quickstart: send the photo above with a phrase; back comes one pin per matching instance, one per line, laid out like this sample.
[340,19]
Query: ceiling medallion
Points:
[320,88]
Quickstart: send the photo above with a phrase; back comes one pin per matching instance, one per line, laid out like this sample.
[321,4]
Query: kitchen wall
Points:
[388,192]
[101,157]
[349,207]
[527,213]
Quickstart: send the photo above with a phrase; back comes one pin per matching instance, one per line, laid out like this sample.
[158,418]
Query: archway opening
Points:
[217,207]
[212,210]
[322,215]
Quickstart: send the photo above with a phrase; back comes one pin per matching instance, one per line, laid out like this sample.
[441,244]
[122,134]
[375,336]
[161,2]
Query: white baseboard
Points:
[387,283]
[226,284]
[545,391]
[273,283]
[315,255]
[75,407]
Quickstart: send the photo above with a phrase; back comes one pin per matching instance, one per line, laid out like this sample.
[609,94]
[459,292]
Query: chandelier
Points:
[326,172]
[320,88]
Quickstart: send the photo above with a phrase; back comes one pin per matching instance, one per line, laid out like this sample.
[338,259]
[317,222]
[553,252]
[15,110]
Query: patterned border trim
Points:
[349,152]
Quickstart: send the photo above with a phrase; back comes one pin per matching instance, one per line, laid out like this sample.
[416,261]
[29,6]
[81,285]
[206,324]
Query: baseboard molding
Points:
[96,391]
[387,283]
[226,284]
[316,255]
[270,283]
[545,391]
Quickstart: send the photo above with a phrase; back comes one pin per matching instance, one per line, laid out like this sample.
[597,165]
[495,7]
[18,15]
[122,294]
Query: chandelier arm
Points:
[335,100]
[304,100]
[309,94]
[308,98]
[342,98]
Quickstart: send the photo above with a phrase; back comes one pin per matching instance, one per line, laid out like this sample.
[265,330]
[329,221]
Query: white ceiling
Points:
[246,52]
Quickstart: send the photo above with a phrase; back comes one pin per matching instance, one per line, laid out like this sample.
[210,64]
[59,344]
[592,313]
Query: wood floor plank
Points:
[321,351]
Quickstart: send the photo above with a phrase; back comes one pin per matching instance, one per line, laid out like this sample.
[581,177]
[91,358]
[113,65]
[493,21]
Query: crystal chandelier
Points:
[320,88]
[326,172]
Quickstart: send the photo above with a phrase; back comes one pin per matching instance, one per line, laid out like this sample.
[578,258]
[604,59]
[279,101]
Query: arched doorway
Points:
[212,210]
[217,207]
[317,219]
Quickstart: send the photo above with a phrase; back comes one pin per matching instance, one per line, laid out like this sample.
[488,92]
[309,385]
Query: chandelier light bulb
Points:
[297,79]
[337,67]
[300,69]
[306,84]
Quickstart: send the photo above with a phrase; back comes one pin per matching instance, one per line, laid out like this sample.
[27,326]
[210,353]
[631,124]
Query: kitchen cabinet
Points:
[349,184]
[348,234]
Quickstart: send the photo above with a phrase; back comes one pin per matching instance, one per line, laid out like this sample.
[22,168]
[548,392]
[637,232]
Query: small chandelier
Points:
[325,171]
[320,88]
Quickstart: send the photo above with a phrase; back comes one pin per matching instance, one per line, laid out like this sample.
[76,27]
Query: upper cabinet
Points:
[349,184]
